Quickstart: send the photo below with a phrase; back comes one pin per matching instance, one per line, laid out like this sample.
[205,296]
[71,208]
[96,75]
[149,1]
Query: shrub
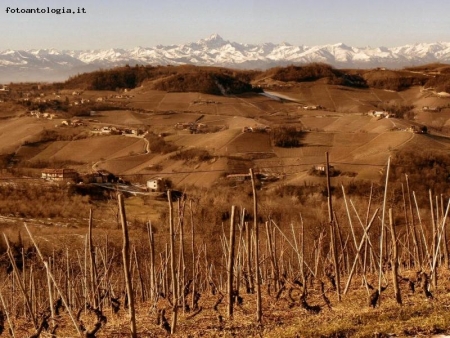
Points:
[192,154]
[286,137]
[159,145]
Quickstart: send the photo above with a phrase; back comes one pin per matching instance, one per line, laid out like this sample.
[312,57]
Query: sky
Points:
[147,23]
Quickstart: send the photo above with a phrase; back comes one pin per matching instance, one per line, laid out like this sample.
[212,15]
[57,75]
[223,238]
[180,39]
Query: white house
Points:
[156,184]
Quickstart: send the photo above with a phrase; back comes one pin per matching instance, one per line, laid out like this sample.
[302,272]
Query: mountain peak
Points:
[214,37]
[213,41]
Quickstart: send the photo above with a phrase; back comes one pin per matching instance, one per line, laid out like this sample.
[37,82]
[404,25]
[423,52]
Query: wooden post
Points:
[93,271]
[194,275]
[394,261]
[249,257]
[433,267]
[181,260]
[273,258]
[172,266]
[21,283]
[417,247]
[364,239]
[53,280]
[231,265]
[11,326]
[256,230]
[382,225]
[434,239]
[332,231]
[126,265]
[408,231]
[151,240]
[444,235]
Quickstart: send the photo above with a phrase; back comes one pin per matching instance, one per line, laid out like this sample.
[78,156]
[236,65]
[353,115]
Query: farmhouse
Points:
[183,125]
[101,176]
[418,130]
[106,130]
[59,174]
[323,168]
[312,107]
[157,184]
[431,108]
[379,113]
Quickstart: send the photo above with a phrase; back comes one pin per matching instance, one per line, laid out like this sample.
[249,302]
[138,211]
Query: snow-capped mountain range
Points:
[52,64]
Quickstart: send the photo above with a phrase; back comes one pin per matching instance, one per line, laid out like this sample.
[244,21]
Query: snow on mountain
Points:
[51,64]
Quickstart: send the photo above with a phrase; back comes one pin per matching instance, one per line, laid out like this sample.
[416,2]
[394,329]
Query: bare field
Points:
[126,164]
[215,141]
[380,146]
[119,117]
[14,132]
[250,142]
[169,119]
[349,123]
[92,149]
[428,142]
[317,122]
[177,101]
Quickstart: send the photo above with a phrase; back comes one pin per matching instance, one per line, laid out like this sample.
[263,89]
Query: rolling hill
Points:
[332,115]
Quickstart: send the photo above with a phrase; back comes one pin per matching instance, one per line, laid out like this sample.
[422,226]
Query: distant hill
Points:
[207,80]
[223,81]
[56,65]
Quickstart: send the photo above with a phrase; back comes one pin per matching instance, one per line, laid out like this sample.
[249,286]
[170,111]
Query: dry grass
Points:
[352,317]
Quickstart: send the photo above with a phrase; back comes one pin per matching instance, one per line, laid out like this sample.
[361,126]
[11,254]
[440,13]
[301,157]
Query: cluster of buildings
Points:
[192,126]
[433,109]
[38,115]
[156,184]
[380,114]
[119,131]
[73,123]
[256,129]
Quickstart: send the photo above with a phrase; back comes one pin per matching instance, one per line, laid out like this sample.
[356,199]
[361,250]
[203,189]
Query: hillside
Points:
[222,81]
[144,116]
[207,80]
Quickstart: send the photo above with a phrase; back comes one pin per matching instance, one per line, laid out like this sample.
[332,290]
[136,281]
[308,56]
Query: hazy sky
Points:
[147,23]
